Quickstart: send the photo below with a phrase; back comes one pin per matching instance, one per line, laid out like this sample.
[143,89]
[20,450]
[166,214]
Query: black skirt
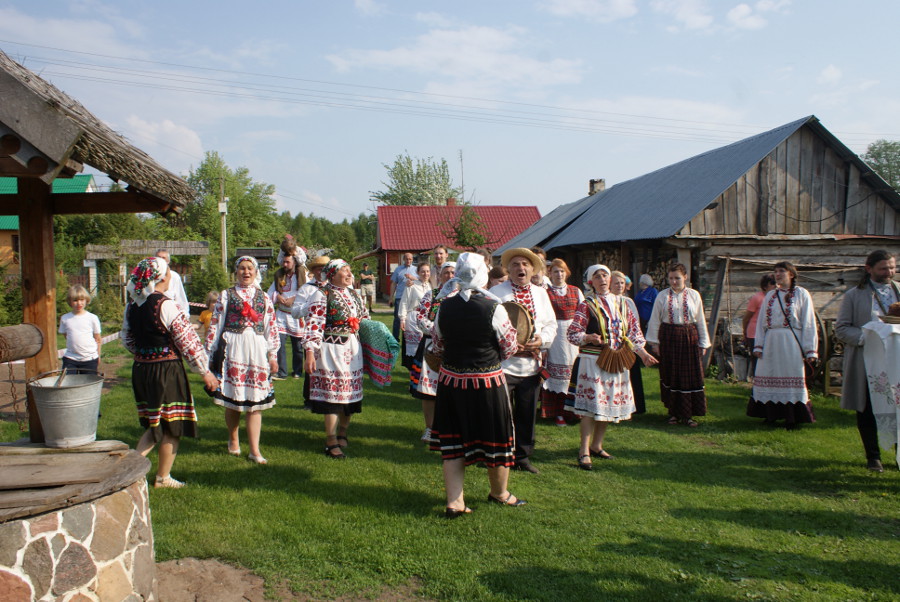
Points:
[163,397]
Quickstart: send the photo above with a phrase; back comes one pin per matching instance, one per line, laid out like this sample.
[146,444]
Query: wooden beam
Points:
[91,202]
[38,282]
[714,310]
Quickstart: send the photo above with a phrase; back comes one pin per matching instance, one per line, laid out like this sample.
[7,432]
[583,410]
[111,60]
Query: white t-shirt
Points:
[80,329]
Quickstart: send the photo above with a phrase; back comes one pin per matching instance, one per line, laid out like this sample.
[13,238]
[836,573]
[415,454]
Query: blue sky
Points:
[539,96]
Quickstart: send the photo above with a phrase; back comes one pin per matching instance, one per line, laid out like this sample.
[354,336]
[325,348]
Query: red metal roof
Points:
[417,228]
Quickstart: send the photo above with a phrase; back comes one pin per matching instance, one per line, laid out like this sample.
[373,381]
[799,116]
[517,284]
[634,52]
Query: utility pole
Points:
[223,211]
[462,177]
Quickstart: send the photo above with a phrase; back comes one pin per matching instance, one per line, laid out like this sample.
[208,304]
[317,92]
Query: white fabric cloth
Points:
[882,356]
[176,293]
[284,320]
[801,315]
[406,311]
[669,299]
[300,308]
[544,325]
[81,344]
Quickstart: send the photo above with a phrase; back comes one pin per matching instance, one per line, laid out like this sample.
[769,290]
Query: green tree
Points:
[884,157]
[467,231]
[416,182]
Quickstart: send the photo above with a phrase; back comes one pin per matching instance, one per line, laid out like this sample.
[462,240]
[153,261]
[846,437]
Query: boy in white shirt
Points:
[82,330]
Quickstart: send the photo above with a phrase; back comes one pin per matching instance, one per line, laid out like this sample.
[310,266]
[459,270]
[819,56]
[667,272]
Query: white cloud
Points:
[744,16]
[368,7]
[164,139]
[436,20]
[689,14]
[830,75]
[485,57]
[603,11]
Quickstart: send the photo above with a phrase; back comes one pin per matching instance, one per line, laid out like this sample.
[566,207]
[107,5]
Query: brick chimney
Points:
[595,186]
[451,202]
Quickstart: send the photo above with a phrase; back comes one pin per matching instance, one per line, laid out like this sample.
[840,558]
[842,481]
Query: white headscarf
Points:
[471,275]
[144,278]
[589,273]
[255,263]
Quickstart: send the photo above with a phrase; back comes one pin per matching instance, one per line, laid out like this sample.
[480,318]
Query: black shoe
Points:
[874,464]
[330,448]
[526,465]
[454,513]
[585,464]
[507,501]
[602,454]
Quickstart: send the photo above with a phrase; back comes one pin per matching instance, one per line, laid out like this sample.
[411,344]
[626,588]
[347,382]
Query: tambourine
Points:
[522,321]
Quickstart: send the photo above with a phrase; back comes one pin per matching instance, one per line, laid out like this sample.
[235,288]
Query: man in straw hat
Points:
[523,369]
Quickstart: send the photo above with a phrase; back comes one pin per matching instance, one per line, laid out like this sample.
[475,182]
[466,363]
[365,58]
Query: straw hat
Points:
[318,262]
[536,262]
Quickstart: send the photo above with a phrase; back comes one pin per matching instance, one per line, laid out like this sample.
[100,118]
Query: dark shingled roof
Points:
[659,204]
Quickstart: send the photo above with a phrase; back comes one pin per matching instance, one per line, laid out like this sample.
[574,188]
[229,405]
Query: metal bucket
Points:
[68,406]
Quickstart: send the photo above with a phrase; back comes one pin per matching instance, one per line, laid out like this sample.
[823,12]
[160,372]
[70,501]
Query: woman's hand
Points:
[757,354]
[309,362]
[210,381]
[273,366]
[648,359]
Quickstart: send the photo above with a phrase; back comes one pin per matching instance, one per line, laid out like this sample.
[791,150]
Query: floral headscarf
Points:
[255,263]
[333,267]
[144,278]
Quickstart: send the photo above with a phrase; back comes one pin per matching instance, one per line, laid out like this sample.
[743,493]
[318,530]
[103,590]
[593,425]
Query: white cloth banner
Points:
[882,356]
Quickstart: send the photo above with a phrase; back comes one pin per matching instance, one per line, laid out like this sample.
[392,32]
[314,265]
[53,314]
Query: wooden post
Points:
[38,282]
[714,309]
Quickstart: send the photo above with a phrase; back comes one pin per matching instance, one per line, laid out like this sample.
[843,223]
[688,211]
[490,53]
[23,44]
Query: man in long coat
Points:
[862,304]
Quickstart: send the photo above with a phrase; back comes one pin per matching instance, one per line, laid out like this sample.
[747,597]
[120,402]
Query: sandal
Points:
[585,465]
[234,452]
[338,456]
[454,513]
[257,459]
[167,482]
[602,454]
[691,423]
[508,501]
[672,420]
[343,438]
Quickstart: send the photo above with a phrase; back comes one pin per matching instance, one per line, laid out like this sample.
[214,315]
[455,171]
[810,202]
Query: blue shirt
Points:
[399,278]
[644,301]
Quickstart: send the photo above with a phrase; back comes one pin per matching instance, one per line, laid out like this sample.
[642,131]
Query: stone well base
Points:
[100,550]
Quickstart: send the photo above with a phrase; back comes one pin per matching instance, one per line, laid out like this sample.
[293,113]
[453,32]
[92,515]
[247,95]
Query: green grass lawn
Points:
[730,510]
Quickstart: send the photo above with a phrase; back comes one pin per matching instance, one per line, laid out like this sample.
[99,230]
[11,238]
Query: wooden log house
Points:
[794,193]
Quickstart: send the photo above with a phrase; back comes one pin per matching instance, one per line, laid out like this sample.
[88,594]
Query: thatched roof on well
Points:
[98,145]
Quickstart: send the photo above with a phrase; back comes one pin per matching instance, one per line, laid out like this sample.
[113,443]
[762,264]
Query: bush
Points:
[211,278]
[108,305]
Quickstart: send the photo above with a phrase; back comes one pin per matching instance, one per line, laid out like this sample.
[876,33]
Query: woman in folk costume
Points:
[283,291]
[565,299]
[609,335]
[159,335]
[423,379]
[409,303]
[618,286]
[473,415]
[786,338]
[677,333]
[334,359]
[243,346]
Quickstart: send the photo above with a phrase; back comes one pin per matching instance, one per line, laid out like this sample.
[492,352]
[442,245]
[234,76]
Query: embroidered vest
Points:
[153,342]
[235,321]
[338,311]
[564,306]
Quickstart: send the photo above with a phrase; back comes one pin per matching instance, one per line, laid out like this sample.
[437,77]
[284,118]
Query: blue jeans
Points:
[75,367]
[296,356]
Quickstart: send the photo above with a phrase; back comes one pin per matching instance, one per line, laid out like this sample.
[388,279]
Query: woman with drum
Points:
[609,336]
[334,360]
[677,332]
[473,417]
[565,299]
[423,377]
[786,342]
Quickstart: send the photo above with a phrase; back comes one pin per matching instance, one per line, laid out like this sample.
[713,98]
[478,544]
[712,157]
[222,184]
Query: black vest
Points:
[152,340]
[470,343]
